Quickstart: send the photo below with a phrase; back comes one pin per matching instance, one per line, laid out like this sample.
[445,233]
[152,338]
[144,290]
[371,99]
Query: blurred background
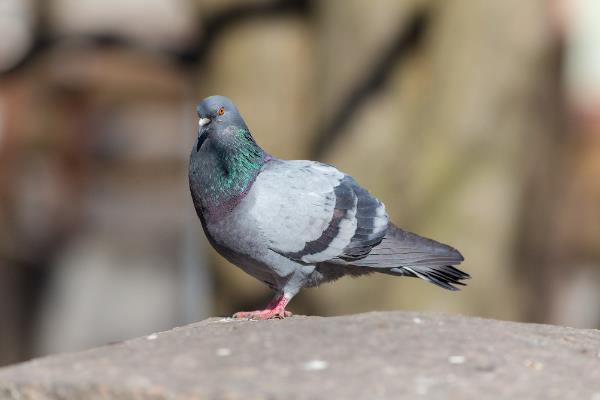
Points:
[476,122]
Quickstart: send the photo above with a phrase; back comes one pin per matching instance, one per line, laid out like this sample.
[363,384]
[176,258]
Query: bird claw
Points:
[275,309]
[283,314]
[262,314]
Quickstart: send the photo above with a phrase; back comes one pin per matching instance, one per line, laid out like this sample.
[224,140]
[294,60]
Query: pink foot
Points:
[262,314]
[275,309]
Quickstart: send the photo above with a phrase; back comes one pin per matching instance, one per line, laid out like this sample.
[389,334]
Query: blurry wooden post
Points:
[36,191]
[537,250]
[560,240]
[12,309]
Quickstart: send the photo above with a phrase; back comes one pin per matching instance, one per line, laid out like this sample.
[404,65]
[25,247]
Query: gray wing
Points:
[311,212]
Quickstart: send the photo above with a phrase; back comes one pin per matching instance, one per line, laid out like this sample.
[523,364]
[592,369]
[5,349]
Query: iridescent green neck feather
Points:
[223,170]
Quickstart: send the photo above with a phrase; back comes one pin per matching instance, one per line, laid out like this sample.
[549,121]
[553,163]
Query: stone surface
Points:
[366,356]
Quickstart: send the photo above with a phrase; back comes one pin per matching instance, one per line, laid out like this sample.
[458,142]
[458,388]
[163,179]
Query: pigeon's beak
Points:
[202,123]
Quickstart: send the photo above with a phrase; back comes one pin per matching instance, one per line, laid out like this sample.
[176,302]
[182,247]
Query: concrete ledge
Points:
[367,356]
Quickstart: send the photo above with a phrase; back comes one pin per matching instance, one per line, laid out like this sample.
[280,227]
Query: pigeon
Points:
[294,224]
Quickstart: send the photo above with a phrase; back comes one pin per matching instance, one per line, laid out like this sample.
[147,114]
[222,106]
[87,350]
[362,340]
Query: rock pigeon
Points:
[294,223]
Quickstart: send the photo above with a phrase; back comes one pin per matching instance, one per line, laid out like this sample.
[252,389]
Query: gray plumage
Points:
[295,223]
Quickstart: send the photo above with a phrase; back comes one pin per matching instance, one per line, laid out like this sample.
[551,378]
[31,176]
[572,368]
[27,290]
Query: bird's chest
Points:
[235,231]
[237,238]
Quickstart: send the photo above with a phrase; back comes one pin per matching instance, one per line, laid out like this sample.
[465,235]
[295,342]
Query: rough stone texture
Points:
[365,356]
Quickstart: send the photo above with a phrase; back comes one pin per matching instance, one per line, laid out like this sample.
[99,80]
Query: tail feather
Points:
[403,253]
[443,276]
[407,254]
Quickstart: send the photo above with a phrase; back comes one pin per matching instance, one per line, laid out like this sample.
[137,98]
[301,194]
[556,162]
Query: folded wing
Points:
[311,212]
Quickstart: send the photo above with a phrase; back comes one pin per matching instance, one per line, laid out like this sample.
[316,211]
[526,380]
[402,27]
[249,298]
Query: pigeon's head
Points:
[217,115]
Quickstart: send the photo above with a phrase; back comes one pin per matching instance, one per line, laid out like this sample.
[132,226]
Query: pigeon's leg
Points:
[275,309]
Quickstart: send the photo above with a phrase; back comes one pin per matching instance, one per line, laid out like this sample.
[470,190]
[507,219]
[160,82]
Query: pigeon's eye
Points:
[221,110]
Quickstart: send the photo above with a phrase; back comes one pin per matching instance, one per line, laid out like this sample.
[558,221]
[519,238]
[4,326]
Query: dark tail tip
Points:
[445,276]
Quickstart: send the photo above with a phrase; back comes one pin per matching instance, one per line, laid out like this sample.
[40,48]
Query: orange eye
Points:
[221,110]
